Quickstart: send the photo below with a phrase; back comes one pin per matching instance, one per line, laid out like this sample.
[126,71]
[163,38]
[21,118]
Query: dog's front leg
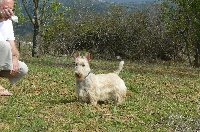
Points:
[93,98]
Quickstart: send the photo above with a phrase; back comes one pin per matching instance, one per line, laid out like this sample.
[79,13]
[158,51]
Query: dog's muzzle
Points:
[77,75]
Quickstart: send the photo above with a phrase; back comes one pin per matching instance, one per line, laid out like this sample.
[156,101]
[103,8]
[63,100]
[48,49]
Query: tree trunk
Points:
[36,36]
[196,56]
[188,52]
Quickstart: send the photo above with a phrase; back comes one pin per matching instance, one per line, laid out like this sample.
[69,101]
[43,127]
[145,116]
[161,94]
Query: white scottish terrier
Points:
[92,88]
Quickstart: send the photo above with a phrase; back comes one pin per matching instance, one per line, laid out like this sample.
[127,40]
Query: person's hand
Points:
[6,13]
[15,67]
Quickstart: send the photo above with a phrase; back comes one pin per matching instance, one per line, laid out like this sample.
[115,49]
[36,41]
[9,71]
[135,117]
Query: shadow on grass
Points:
[61,101]
[66,101]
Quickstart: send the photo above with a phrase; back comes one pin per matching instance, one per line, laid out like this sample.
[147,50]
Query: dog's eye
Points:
[76,64]
[83,65]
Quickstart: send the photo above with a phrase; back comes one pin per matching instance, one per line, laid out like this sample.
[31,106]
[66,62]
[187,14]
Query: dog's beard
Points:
[78,75]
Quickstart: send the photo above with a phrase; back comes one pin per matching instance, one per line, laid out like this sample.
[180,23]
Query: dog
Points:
[91,88]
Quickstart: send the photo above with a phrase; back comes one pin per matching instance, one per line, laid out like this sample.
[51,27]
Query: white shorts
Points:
[6,64]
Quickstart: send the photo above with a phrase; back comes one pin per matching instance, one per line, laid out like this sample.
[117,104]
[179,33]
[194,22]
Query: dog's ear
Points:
[87,55]
[77,54]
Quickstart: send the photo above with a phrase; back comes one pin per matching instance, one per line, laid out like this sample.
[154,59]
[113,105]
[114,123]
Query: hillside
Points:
[98,5]
[122,1]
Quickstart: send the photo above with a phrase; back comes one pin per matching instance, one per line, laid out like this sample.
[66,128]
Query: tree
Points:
[184,18]
[34,17]
[40,13]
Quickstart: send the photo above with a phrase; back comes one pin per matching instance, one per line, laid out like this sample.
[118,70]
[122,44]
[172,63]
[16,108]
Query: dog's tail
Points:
[119,68]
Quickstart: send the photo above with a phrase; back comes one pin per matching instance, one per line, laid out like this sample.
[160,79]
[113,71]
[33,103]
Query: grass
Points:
[159,98]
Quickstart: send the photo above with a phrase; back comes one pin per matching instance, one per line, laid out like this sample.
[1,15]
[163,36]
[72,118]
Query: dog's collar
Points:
[87,75]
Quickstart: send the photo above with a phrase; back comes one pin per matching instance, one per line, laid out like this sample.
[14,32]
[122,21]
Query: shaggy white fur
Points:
[92,88]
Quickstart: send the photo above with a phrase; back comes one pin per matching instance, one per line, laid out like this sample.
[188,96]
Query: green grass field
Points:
[159,98]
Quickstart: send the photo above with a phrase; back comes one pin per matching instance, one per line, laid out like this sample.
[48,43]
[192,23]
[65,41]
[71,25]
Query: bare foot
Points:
[4,92]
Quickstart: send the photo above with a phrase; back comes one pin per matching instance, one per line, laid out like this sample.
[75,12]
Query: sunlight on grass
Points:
[158,99]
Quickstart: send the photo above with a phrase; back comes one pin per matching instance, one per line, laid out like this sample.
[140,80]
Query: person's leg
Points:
[6,66]
[5,63]
[5,56]
[23,69]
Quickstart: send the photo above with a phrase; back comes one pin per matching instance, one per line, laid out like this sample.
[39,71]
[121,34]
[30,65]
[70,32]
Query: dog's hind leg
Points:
[118,99]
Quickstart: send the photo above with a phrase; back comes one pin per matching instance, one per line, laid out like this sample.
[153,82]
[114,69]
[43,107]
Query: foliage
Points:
[159,98]
[161,30]
[118,31]
[184,21]
[38,13]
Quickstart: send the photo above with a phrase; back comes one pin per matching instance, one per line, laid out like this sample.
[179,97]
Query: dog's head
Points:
[82,68]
